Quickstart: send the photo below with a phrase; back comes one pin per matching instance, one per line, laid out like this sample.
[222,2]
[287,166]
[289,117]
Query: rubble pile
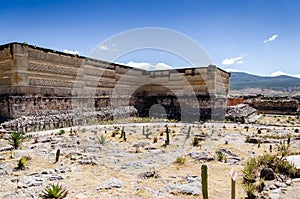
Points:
[47,120]
[239,113]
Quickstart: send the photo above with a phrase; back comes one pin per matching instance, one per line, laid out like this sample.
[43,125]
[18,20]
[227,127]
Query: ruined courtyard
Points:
[111,141]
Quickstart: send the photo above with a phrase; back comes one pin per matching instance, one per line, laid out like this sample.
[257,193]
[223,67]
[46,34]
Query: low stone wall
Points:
[239,113]
[275,106]
[61,119]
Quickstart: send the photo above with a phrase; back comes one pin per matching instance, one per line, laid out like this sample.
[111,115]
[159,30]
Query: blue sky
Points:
[257,36]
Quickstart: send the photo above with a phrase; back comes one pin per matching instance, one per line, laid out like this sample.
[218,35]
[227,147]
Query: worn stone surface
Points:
[38,81]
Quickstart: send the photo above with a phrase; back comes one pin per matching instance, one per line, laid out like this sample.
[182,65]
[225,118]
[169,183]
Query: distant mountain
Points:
[240,81]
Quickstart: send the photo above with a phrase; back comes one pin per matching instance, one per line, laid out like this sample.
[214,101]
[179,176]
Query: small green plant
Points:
[147,133]
[180,160]
[102,139]
[283,149]
[220,156]
[61,132]
[249,170]
[260,185]
[22,163]
[249,188]
[196,141]
[15,139]
[54,191]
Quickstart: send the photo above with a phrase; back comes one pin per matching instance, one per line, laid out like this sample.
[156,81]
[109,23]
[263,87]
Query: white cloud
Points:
[278,73]
[233,60]
[148,66]
[240,61]
[74,52]
[272,38]
[112,47]
[231,70]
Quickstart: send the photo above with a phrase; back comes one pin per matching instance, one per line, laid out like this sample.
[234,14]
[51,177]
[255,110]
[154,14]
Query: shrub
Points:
[102,139]
[82,130]
[249,188]
[54,191]
[148,133]
[249,170]
[260,185]
[283,149]
[284,167]
[254,165]
[195,141]
[180,160]
[15,139]
[220,155]
[61,132]
[22,163]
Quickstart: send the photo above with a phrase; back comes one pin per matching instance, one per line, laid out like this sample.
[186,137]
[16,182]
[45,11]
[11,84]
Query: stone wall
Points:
[37,81]
[281,106]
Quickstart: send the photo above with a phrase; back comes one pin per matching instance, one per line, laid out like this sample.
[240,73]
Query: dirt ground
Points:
[115,169]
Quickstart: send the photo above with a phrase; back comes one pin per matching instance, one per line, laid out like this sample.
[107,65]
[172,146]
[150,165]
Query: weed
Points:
[260,185]
[54,191]
[195,141]
[15,139]
[102,139]
[283,149]
[61,132]
[180,160]
[220,156]
[249,188]
[22,163]
[147,133]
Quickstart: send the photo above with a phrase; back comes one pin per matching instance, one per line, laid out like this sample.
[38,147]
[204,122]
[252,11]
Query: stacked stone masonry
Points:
[34,79]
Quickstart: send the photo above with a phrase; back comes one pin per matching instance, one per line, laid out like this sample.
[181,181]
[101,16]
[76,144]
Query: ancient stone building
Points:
[39,81]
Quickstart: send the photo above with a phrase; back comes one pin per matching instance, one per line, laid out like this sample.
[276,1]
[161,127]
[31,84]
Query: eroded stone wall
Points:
[279,106]
[37,81]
